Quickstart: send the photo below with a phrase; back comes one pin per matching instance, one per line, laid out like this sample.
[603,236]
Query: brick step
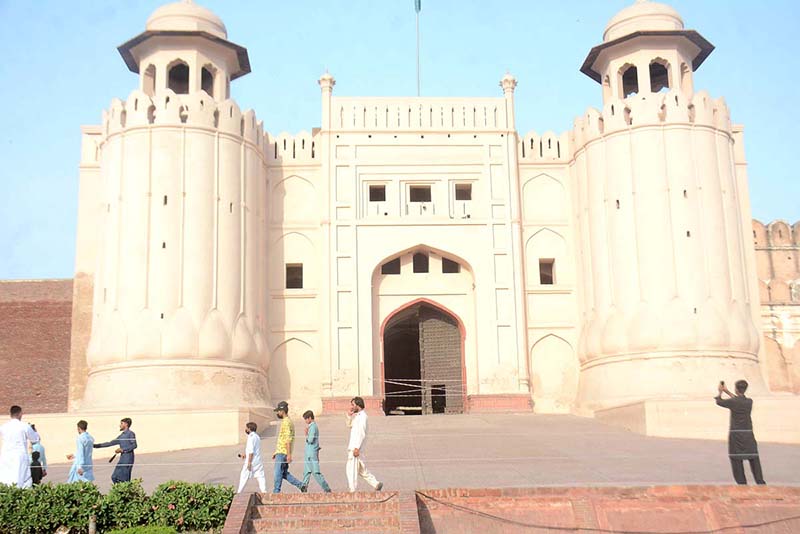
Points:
[315,530]
[386,523]
[337,497]
[330,509]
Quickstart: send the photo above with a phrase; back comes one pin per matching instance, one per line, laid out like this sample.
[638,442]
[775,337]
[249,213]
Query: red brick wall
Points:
[653,509]
[35,323]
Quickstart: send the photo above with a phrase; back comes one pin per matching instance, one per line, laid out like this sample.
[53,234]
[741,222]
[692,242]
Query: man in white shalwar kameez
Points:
[15,467]
[355,448]
[253,463]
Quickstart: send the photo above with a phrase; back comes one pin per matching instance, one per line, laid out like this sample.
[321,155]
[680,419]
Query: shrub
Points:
[145,530]
[42,509]
[126,505]
[174,506]
[190,506]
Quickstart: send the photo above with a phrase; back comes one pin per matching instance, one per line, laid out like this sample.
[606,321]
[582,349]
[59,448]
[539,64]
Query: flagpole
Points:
[417,10]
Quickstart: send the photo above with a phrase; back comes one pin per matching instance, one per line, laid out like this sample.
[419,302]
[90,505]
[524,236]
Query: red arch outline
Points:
[461,328]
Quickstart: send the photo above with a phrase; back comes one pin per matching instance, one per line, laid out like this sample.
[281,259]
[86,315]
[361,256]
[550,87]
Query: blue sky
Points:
[62,69]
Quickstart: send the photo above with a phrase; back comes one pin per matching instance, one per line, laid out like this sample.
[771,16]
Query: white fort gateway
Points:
[418,252]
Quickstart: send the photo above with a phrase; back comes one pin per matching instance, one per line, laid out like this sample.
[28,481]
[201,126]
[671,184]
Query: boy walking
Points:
[283,449]
[311,464]
[36,468]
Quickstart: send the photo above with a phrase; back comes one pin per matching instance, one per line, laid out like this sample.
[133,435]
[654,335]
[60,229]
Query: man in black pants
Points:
[125,444]
[741,441]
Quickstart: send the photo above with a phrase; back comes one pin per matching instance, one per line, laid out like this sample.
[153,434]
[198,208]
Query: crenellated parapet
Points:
[660,109]
[287,149]
[549,147]
[197,110]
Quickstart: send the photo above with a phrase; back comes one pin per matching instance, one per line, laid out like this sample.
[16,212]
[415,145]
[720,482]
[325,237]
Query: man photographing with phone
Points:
[741,440]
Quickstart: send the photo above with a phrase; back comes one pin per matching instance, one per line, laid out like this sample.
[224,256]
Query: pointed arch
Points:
[294,199]
[441,308]
[544,199]
[294,372]
[178,76]
[293,248]
[546,244]
[293,338]
[421,247]
[554,374]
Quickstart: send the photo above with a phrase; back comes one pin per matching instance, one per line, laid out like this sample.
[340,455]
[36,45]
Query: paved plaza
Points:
[439,451]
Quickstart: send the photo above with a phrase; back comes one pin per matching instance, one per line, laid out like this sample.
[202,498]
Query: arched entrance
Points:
[423,369]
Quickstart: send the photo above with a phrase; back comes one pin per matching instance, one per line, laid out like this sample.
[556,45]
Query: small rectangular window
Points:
[547,271]
[463,191]
[377,193]
[419,193]
[391,267]
[450,266]
[294,276]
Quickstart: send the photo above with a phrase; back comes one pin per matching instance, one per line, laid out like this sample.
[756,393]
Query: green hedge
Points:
[176,506]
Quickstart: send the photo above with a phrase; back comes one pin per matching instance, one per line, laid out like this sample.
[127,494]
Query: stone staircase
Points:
[351,513]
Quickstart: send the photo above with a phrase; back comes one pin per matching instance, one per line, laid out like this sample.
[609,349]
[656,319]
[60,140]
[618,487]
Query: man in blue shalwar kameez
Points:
[311,456]
[82,469]
[125,443]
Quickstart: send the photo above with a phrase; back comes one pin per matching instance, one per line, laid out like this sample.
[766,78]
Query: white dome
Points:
[186,16]
[642,16]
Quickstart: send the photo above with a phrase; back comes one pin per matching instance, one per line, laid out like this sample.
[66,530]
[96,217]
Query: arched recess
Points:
[294,199]
[660,75]
[547,244]
[464,264]
[628,80]
[149,80]
[544,199]
[294,372]
[178,77]
[293,248]
[554,375]
[445,375]
[208,76]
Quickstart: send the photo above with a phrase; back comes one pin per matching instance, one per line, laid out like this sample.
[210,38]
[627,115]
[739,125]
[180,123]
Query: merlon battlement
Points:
[652,109]
[171,109]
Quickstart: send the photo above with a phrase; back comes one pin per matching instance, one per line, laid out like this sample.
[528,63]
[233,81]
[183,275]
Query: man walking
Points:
[283,449]
[15,467]
[311,457]
[253,463]
[82,469]
[125,443]
[741,440]
[355,448]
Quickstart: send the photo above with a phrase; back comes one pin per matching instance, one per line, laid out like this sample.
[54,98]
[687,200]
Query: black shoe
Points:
[304,488]
[379,486]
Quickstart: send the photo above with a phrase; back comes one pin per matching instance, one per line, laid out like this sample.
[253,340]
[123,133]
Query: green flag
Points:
[418,5]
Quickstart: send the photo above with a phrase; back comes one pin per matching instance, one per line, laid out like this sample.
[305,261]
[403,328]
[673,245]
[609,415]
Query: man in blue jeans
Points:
[283,449]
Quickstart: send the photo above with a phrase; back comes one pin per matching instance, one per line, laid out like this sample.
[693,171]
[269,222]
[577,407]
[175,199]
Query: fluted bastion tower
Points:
[178,315]
[659,208]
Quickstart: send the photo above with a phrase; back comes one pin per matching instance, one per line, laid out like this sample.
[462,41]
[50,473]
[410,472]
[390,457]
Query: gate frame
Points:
[461,328]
